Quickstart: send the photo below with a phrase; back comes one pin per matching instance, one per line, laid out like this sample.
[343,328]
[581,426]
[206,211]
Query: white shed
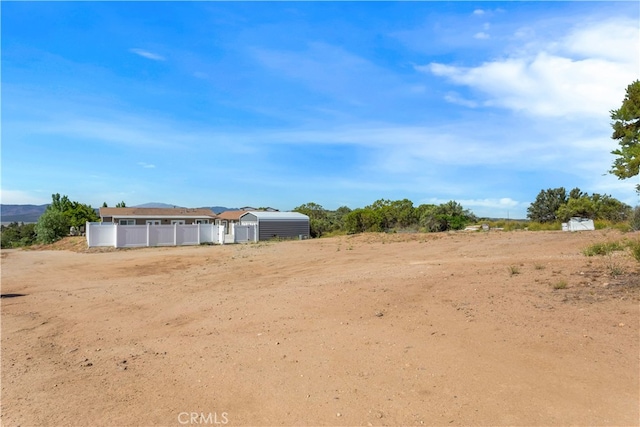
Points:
[278,224]
[578,224]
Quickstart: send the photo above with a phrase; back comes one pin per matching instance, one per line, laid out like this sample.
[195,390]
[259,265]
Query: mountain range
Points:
[31,213]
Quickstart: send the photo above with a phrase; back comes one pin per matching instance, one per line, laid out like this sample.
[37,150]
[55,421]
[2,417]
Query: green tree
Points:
[427,217]
[393,214]
[60,203]
[353,222]
[51,226]
[17,235]
[337,217]
[403,213]
[582,207]
[60,215]
[121,205]
[79,214]
[447,216]
[318,218]
[362,220]
[576,193]
[626,131]
[610,208]
[452,216]
[546,205]
[379,215]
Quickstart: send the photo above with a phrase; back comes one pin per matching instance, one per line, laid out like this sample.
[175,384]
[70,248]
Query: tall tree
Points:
[546,205]
[626,131]
[60,215]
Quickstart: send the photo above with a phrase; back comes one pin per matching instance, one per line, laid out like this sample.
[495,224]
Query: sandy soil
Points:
[446,329]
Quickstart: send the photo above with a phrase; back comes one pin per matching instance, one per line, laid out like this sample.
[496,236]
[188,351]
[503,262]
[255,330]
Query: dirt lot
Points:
[447,329]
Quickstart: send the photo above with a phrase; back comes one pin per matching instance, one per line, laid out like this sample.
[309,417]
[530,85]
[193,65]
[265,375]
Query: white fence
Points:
[132,236]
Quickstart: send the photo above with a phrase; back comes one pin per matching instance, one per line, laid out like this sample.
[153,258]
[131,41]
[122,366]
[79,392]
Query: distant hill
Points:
[156,205]
[31,213]
[215,209]
[218,209]
[21,213]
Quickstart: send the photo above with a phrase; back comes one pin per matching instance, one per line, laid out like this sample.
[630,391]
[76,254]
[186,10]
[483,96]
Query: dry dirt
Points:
[375,329]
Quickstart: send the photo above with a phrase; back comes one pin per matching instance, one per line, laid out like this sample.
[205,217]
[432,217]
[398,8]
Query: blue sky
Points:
[280,104]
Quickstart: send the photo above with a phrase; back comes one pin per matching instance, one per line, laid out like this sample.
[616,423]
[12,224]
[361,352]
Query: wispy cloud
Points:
[146,165]
[557,79]
[147,54]
[334,71]
[455,98]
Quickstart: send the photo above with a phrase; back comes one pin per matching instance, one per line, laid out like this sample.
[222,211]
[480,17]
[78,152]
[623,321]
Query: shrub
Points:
[634,246]
[635,219]
[603,224]
[602,248]
[615,269]
[560,284]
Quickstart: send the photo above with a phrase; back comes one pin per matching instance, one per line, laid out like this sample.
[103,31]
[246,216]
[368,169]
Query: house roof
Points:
[157,213]
[231,215]
[296,216]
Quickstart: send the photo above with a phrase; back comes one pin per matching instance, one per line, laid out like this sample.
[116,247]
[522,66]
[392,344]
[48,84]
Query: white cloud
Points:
[147,54]
[18,197]
[616,40]
[481,36]
[478,12]
[578,75]
[146,165]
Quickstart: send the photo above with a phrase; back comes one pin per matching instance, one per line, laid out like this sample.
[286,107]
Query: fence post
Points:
[115,235]
[221,235]
[175,234]
[148,234]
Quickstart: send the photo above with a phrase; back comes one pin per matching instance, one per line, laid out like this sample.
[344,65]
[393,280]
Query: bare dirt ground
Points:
[375,329]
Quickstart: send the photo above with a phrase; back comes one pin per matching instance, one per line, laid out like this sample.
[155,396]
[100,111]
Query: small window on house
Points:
[201,221]
[127,222]
[177,221]
[153,221]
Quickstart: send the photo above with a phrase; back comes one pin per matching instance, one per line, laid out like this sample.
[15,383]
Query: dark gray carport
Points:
[278,224]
